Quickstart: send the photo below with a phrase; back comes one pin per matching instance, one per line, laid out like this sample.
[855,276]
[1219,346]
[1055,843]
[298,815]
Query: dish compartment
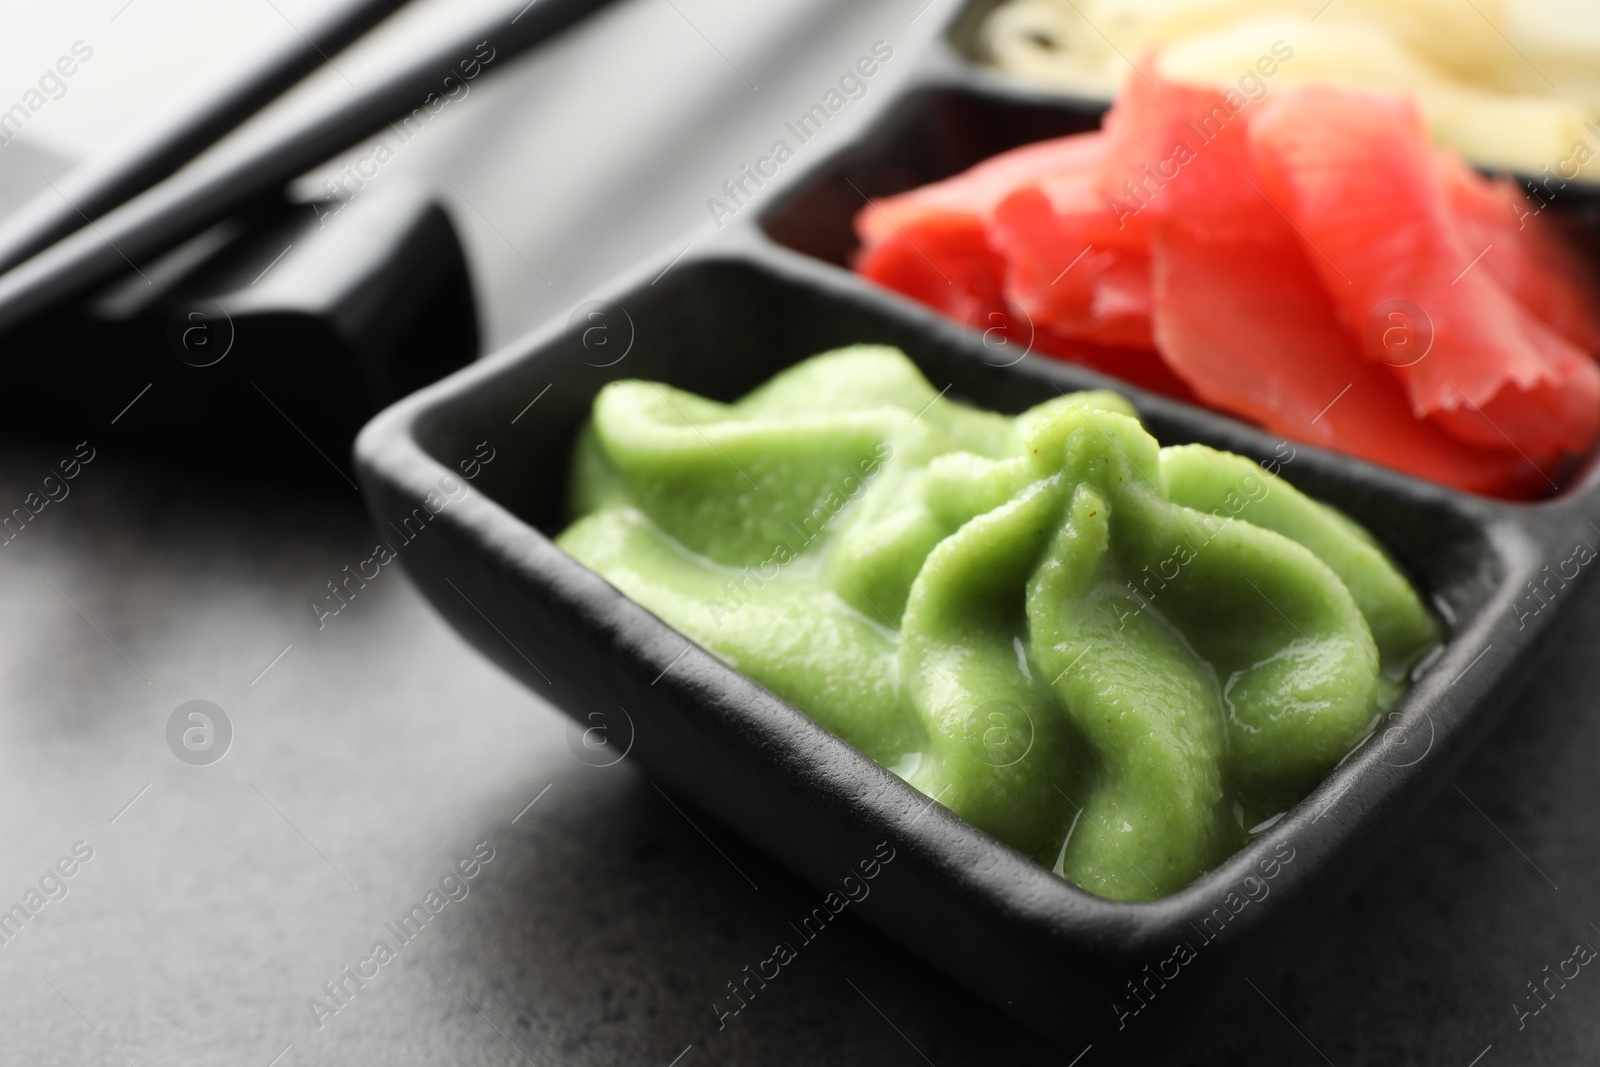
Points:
[954,114]
[1052,955]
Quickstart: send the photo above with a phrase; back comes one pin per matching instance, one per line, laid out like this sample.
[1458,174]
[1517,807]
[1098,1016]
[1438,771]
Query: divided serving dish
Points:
[772,289]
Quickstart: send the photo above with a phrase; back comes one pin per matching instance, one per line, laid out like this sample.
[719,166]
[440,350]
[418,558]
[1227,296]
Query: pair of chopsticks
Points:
[95,187]
[109,215]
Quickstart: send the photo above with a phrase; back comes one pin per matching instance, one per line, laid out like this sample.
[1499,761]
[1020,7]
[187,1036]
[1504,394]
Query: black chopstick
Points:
[100,183]
[263,161]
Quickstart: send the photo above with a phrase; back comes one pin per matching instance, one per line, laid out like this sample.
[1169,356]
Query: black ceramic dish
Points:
[1079,969]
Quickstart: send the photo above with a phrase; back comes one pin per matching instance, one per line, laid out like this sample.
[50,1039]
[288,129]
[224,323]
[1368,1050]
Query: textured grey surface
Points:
[380,750]
[373,755]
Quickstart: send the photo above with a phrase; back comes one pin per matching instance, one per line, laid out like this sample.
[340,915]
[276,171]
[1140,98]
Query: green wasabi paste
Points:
[1115,657]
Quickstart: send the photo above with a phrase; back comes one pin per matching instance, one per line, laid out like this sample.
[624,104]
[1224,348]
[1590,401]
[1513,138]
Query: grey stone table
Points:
[373,756]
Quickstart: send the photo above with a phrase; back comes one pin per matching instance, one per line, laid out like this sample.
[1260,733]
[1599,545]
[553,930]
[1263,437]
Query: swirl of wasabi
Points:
[1115,657]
